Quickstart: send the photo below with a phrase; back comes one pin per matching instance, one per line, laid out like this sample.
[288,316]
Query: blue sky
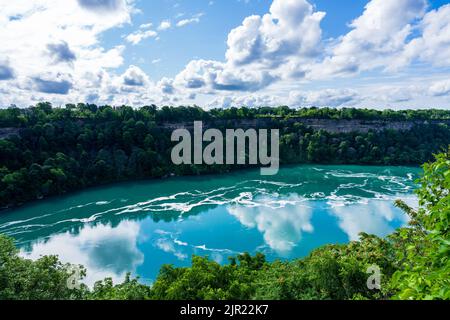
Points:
[207,39]
[219,53]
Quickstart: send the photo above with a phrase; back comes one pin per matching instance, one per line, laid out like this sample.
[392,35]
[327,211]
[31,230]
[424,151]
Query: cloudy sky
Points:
[218,53]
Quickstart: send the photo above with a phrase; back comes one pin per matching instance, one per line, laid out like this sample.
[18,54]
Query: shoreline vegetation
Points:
[414,264]
[47,151]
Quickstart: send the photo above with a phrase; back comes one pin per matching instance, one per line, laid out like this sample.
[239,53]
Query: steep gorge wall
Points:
[330,125]
[8,132]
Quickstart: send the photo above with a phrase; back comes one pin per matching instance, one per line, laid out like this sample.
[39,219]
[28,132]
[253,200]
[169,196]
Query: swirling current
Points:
[137,227]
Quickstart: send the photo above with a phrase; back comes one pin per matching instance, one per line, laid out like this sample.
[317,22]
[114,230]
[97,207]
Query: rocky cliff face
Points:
[334,126]
[8,132]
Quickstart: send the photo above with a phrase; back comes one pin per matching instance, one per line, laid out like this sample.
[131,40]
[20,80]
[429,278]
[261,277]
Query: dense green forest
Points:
[13,116]
[414,262]
[48,151]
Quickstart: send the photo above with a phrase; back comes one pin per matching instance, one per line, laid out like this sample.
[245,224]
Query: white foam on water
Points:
[256,193]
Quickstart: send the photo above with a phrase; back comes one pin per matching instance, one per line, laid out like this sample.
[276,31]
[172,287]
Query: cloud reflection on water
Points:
[105,251]
[282,227]
[301,209]
[375,217]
